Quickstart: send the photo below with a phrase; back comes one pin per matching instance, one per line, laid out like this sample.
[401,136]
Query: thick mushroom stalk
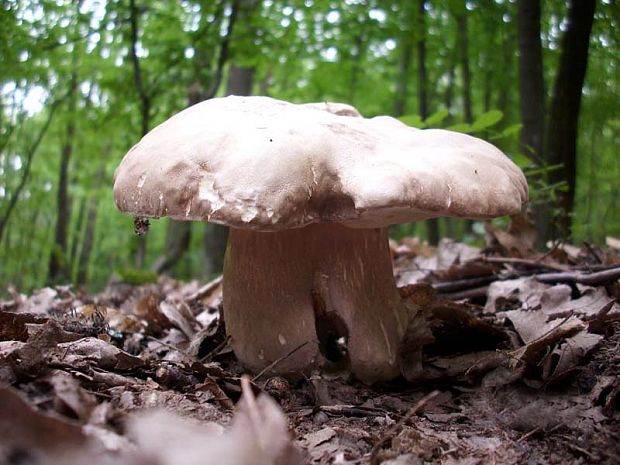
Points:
[317,287]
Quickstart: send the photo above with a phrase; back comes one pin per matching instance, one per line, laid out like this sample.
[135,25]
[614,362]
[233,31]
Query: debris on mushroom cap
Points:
[340,109]
[266,164]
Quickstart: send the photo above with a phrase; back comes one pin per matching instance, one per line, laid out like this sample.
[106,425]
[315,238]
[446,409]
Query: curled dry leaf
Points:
[180,316]
[30,434]
[445,339]
[90,351]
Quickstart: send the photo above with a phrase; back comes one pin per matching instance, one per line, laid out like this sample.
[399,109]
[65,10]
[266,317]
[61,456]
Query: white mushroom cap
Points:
[265,164]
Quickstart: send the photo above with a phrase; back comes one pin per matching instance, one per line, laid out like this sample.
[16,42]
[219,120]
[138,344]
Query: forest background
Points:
[82,80]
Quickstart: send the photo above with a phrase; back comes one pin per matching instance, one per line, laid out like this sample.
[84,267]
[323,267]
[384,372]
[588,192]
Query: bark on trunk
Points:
[87,242]
[432,225]
[145,109]
[356,68]
[561,138]
[406,45]
[532,94]
[59,270]
[76,236]
[463,35]
[448,98]
[178,236]
[14,196]
[531,84]
[240,82]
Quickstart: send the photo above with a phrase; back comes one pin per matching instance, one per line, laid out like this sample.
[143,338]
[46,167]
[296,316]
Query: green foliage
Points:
[137,277]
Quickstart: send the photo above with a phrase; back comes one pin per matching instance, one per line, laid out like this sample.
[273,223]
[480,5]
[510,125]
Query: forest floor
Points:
[522,367]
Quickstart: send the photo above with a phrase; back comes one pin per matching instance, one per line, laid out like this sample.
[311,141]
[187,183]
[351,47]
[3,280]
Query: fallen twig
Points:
[472,293]
[170,346]
[205,290]
[352,411]
[460,288]
[374,459]
[278,360]
[209,356]
[523,262]
[596,278]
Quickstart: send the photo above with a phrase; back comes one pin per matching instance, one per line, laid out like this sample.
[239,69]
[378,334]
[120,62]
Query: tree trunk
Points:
[59,265]
[145,109]
[404,68]
[532,93]
[240,82]
[356,57]
[178,236]
[87,242]
[463,37]
[77,235]
[561,137]
[14,197]
[448,97]
[432,225]
[531,84]
[178,233]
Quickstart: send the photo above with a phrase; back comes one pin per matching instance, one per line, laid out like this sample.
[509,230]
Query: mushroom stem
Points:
[325,284]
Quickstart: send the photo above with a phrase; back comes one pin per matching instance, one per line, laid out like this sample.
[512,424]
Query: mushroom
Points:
[308,192]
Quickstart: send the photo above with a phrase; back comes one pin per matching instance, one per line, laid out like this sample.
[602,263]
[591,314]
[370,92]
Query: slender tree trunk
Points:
[448,97]
[561,137]
[87,242]
[240,82]
[178,236]
[26,241]
[356,57]
[237,7]
[463,48]
[532,93]
[77,236]
[531,83]
[59,264]
[432,225]
[145,108]
[14,197]
[406,46]
[402,83]
[463,37]
[488,89]
[178,233]
[592,185]
[506,93]
[422,74]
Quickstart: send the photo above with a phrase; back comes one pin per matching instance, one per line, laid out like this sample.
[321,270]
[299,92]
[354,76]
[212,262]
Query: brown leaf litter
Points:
[506,360]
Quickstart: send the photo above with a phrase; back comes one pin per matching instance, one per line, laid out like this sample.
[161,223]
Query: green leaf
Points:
[486,120]
[460,127]
[413,120]
[614,123]
[436,118]
[136,276]
[522,160]
[511,130]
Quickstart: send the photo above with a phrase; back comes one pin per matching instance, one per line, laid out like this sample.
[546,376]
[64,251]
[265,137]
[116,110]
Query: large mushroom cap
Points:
[265,164]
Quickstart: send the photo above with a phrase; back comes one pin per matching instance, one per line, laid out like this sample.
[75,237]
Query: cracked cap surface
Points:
[266,164]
